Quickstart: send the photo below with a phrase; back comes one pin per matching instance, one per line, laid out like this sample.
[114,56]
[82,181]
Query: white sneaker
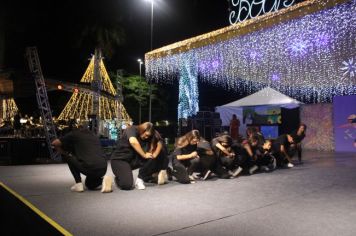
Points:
[106,186]
[195,176]
[290,165]
[207,174]
[139,184]
[236,172]
[78,187]
[253,169]
[264,168]
[162,177]
[192,179]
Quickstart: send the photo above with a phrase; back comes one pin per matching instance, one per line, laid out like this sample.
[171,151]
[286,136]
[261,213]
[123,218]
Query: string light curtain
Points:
[188,101]
[307,51]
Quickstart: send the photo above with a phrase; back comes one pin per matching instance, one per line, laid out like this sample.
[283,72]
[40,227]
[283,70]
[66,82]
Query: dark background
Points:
[56,29]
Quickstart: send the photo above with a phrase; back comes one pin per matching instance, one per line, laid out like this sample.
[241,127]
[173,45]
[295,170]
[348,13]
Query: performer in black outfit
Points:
[208,162]
[248,152]
[281,150]
[139,147]
[81,149]
[264,157]
[298,135]
[252,131]
[186,157]
[225,152]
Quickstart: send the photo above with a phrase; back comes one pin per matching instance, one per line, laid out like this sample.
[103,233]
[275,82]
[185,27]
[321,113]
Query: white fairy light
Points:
[306,58]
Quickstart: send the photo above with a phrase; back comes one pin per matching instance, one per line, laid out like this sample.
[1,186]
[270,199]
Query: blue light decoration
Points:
[322,40]
[275,78]
[298,47]
[188,102]
[311,53]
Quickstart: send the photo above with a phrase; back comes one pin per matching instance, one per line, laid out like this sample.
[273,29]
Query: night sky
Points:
[58,29]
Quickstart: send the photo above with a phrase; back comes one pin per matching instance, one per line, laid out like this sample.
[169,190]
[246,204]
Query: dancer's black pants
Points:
[122,169]
[183,168]
[94,175]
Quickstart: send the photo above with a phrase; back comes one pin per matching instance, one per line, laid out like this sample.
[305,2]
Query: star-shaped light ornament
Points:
[349,68]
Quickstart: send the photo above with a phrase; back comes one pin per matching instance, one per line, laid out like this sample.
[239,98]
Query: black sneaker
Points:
[169,173]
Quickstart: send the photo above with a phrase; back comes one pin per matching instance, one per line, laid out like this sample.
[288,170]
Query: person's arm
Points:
[57,145]
[158,150]
[137,146]
[224,150]
[187,156]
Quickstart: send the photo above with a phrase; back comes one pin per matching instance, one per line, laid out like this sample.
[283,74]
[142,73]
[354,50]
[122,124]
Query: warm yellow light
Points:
[80,104]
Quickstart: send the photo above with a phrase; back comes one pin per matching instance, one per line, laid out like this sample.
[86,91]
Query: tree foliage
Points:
[104,35]
[135,88]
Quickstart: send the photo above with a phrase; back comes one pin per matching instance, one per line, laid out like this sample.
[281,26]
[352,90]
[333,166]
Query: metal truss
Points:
[42,99]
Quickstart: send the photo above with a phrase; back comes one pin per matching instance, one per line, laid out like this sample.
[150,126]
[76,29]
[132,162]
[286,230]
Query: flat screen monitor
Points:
[269,131]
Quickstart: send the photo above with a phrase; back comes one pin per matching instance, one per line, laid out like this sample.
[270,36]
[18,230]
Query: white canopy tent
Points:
[264,97]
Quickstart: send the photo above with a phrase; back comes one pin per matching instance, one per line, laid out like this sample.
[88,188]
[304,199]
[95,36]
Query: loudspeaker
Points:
[42,149]
[183,126]
[208,123]
[23,151]
[5,151]
[4,148]
[216,115]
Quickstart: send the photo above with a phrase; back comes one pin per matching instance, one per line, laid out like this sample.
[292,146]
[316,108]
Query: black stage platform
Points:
[23,151]
[316,198]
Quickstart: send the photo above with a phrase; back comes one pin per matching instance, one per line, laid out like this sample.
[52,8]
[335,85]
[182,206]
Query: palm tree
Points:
[100,26]
[104,35]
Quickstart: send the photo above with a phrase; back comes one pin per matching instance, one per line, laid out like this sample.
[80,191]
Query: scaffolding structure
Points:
[83,104]
[42,99]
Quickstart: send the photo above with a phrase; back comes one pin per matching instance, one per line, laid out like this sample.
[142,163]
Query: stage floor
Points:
[316,198]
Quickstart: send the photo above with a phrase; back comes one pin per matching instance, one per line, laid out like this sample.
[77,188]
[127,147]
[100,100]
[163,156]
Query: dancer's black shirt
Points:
[124,150]
[216,150]
[297,138]
[184,150]
[85,146]
[281,140]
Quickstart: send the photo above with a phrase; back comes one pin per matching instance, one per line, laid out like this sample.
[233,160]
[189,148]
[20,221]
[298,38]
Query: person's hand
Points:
[148,155]
[153,156]
[194,154]
[231,155]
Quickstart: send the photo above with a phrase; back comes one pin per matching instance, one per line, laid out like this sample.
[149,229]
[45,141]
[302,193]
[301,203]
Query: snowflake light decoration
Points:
[299,47]
[349,67]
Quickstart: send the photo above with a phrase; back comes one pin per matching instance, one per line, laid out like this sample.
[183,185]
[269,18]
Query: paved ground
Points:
[316,198]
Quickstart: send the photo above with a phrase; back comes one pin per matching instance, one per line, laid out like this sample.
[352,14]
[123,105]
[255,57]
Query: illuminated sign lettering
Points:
[246,9]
